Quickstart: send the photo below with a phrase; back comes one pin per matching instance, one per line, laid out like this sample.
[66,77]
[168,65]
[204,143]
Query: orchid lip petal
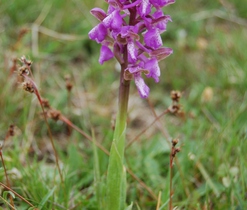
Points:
[142,88]
[105,54]
[144,8]
[132,52]
[113,21]
[152,38]
[154,69]
[98,33]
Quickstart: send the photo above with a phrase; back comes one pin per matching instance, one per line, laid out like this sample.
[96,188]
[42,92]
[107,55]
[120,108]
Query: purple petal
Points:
[161,20]
[132,52]
[98,13]
[125,31]
[127,6]
[136,68]
[141,47]
[105,54]
[154,69]
[152,38]
[144,8]
[110,9]
[115,3]
[142,88]
[161,3]
[98,33]
[113,21]
[161,53]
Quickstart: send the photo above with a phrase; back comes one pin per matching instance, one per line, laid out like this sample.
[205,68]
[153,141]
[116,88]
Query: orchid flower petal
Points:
[152,38]
[161,3]
[105,54]
[98,33]
[144,8]
[154,69]
[142,88]
[132,52]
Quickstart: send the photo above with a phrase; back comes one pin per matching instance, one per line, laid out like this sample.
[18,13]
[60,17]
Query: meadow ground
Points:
[209,67]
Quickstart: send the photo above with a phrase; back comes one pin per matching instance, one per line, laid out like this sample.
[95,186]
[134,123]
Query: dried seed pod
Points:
[25,61]
[175,142]
[23,70]
[46,103]
[28,86]
[54,114]
[174,109]
[11,130]
[69,85]
[175,95]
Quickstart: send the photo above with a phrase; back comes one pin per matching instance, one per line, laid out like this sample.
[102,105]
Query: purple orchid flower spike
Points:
[135,26]
[130,31]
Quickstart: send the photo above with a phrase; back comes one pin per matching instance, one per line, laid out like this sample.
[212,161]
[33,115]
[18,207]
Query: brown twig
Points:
[159,201]
[9,133]
[9,204]
[142,184]
[51,138]
[162,128]
[173,153]
[69,87]
[7,179]
[68,122]
[19,196]
[30,86]
[146,128]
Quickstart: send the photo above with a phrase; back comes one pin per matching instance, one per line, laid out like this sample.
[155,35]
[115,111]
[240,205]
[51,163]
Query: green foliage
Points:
[208,66]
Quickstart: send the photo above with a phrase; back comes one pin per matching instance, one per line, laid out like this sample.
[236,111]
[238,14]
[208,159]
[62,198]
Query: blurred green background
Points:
[209,67]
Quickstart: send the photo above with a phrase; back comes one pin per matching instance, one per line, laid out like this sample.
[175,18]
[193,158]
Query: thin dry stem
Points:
[162,128]
[69,123]
[19,196]
[9,133]
[10,205]
[159,201]
[173,153]
[36,92]
[5,171]
[51,139]
[7,179]
[147,127]
[152,194]
[170,181]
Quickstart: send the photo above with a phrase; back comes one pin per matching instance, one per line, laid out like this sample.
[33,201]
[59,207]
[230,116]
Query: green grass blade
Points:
[46,198]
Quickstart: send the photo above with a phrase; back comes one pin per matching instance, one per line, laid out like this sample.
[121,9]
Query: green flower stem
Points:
[116,177]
